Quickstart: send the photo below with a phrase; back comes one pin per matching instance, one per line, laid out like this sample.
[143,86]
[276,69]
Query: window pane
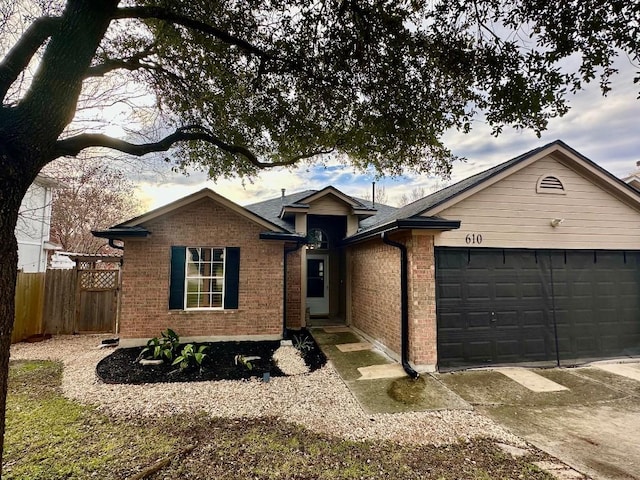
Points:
[217,270]
[194,255]
[218,255]
[192,300]
[217,285]
[216,300]
[193,285]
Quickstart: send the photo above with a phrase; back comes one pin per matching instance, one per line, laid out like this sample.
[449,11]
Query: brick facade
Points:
[375,292]
[294,289]
[204,223]
[375,299]
[422,299]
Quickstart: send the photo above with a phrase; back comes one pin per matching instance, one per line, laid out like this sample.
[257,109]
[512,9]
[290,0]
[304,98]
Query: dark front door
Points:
[498,306]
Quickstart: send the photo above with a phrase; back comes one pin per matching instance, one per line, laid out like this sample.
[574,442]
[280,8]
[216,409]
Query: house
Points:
[534,261]
[34,222]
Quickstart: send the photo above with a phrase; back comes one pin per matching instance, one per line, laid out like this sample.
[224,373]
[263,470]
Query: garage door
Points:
[541,307]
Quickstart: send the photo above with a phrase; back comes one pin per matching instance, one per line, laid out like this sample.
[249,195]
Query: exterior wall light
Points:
[556,222]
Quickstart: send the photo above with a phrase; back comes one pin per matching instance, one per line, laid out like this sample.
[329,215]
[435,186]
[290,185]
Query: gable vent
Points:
[550,184]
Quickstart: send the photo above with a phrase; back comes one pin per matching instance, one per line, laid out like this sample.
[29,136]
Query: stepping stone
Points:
[530,380]
[388,370]
[629,370]
[559,471]
[354,347]
[336,329]
[513,450]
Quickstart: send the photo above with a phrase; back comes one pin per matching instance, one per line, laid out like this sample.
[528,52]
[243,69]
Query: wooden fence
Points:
[30,288]
[60,302]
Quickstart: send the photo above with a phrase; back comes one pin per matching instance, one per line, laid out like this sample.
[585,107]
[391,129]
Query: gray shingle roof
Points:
[270,209]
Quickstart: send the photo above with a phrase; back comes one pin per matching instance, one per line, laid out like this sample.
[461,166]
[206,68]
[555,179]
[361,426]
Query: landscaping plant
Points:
[190,356]
[162,348]
[303,343]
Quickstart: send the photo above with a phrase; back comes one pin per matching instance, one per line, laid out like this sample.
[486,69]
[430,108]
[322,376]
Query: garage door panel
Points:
[592,300]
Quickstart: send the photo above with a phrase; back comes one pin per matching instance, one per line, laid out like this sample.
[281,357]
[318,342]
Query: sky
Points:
[604,129]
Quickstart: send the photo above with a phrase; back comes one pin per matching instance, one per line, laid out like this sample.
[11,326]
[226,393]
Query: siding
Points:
[328,205]
[511,214]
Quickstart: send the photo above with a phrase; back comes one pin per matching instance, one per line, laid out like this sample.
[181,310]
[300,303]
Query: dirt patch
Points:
[220,363]
[407,390]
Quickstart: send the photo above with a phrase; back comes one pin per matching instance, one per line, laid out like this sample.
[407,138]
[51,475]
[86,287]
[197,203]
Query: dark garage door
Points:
[498,306]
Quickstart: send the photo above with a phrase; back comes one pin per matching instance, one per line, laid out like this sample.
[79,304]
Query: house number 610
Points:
[473,239]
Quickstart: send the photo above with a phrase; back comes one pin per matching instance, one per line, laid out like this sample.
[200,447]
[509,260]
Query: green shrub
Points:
[190,356]
[162,348]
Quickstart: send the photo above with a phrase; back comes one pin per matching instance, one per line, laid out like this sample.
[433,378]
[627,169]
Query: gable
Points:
[516,212]
[194,198]
[329,205]
[203,220]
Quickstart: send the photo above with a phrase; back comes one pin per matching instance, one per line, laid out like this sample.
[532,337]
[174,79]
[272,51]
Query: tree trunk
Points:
[12,190]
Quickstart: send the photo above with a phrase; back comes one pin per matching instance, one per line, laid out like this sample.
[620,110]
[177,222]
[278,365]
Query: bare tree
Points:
[380,194]
[94,195]
[416,194]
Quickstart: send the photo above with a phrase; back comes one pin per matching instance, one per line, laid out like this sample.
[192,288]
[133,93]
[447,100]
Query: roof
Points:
[271,209]
[421,214]
[133,227]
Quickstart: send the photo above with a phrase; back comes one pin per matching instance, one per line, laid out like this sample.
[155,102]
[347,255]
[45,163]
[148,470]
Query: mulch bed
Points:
[219,364]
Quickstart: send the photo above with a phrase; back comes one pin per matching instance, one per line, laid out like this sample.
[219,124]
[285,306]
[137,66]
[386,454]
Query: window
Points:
[550,184]
[204,278]
[317,239]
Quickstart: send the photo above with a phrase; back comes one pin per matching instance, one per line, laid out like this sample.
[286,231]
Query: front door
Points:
[318,284]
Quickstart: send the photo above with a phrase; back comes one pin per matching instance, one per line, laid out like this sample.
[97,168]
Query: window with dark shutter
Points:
[204,278]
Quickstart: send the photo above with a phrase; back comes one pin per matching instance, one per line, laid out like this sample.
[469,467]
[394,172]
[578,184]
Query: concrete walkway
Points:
[591,423]
[380,384]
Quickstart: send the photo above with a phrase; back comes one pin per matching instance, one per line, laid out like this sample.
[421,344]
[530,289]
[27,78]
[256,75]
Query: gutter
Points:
[422,223]
[404,307]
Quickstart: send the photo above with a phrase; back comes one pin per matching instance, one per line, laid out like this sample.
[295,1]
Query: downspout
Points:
[404,307]
[113,245]
[287,251]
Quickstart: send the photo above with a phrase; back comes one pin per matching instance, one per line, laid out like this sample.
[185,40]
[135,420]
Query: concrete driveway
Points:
[587,417]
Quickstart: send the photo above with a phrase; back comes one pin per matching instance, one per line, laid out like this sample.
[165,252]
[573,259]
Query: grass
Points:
[50,437]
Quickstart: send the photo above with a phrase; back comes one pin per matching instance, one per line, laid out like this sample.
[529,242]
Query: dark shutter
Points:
[176,285]
[231,277]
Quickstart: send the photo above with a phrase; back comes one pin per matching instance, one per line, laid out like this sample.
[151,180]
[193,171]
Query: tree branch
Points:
[73,145]
[23,51]
[113,64]
[160,13]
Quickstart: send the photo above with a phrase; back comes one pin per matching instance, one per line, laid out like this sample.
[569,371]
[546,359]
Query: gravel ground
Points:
[319,400]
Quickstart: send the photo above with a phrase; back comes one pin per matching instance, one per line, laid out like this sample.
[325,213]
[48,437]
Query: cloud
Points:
[604,129]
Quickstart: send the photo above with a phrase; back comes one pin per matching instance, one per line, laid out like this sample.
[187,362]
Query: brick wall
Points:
[375,299]
[145,281]
[294,289]
[422,299]
[375,291]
